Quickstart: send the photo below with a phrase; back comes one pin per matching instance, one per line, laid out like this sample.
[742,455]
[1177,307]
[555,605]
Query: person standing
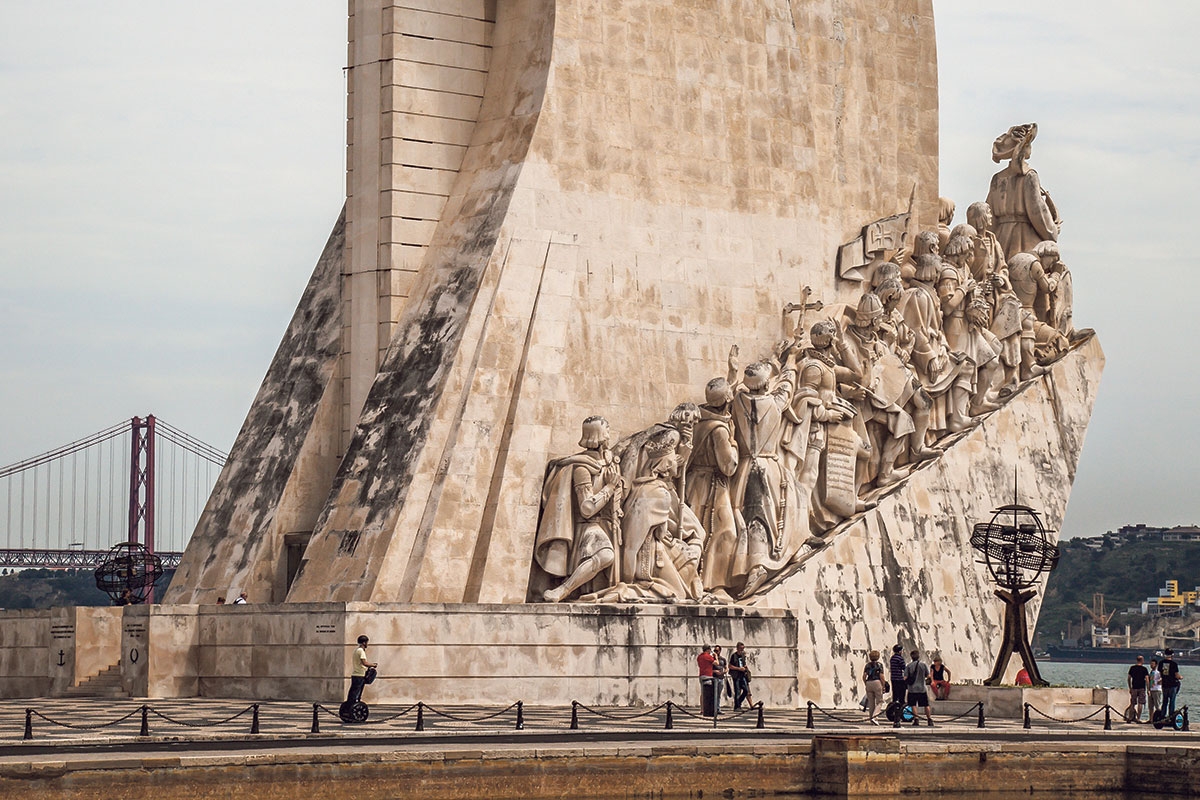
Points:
[1156,693]
[358,672]
[875,685]
[707,664]
[739,669]
[1170,681]
[896,667]
[720,670]
[917,676]
[1139,682]
[241,599]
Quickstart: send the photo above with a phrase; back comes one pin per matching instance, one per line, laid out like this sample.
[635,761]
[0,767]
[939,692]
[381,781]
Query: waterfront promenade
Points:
[612,753]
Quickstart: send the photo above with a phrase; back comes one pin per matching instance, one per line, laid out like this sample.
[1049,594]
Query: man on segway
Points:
[362,673]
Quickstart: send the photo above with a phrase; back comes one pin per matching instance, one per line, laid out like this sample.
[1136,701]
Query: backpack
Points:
[370,676]
[874,671]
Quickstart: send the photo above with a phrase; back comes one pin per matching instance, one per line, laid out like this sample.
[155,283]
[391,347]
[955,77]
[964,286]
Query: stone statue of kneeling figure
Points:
[581,507]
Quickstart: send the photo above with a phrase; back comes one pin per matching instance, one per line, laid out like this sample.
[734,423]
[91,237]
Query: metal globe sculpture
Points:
[128,573]
[1016,548]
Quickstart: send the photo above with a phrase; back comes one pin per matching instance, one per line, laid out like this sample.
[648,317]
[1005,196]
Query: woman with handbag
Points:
[876,685]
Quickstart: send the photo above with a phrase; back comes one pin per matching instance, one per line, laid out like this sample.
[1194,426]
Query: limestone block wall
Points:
[84,640]
[97,641]
[282,651]
[647,183]
[415,83]
[546,654]
[905,571]
[25,647]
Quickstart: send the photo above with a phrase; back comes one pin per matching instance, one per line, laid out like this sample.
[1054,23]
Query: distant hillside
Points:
[1126,575]
[47,588]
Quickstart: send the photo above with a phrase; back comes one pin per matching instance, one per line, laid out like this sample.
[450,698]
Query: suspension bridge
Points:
[141,481]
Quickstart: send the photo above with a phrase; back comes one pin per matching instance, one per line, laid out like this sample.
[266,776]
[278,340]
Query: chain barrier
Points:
[814,707]
[188,724]
[484,718]
[576,705]
[1181,715]
[144,711]
[975,710]
[389,718]
[1106,709]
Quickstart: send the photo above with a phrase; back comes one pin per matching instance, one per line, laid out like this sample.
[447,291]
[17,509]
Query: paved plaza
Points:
[80,723]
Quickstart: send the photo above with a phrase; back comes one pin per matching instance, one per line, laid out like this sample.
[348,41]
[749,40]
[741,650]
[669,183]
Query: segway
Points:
[352,713]
[358,711]
[1174,722]
[899,712]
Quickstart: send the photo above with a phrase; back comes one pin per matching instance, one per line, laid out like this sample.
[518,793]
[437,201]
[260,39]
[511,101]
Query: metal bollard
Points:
[980,723]
[1185,719]
[28,723]
[760,724]
[1026,726]
[316,725]
[520,715]
[420,716]
[670,719]
[574,715]
[1107,717]
[254,720]
[808,723]
[145,721]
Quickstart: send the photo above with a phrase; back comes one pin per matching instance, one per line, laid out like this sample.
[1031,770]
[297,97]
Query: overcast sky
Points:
[169,174]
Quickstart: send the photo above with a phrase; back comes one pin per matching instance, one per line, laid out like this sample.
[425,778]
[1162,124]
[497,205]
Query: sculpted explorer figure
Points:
[581,502]
[662,537]
[1025,215]
[764,493]
[714,460]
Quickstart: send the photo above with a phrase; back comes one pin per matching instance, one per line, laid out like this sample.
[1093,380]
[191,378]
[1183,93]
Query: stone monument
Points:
[564,220]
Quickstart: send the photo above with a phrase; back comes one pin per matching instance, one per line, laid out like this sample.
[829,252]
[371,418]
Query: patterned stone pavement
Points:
[107,720]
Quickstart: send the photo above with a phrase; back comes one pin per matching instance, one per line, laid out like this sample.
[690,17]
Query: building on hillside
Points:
[1171,599]
[1140,532]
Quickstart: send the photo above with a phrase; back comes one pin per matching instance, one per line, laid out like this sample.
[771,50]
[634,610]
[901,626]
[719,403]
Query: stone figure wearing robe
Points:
[882,390]
[1025,214]
[826,482]
[764,493]
[1058,311]
[713,463]
[581,500]
[957,291]
[662,538]
[939,369]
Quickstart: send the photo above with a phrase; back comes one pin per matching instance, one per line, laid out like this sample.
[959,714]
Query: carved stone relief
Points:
[723,498]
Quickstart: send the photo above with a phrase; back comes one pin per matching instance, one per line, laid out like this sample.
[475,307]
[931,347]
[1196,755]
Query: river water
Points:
[1065,673]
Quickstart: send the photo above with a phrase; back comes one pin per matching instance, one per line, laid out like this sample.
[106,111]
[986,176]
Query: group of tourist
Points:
[721,498]
[910,683]
[1153,689]
[719,676]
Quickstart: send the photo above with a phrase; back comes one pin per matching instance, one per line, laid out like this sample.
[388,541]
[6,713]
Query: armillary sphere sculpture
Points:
[128,567]
[1017,551]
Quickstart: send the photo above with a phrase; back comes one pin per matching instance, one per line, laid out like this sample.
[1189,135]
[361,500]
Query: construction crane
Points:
[1100,619]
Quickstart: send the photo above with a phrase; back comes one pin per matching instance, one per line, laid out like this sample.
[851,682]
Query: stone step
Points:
[107,683]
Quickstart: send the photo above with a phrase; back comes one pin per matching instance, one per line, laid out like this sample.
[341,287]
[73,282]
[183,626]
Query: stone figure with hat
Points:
[1025,214]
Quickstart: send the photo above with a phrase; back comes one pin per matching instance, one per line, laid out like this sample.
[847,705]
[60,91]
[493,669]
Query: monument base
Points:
[461,653]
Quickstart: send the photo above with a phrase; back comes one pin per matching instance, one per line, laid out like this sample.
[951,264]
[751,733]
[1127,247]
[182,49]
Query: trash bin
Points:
[707,697]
